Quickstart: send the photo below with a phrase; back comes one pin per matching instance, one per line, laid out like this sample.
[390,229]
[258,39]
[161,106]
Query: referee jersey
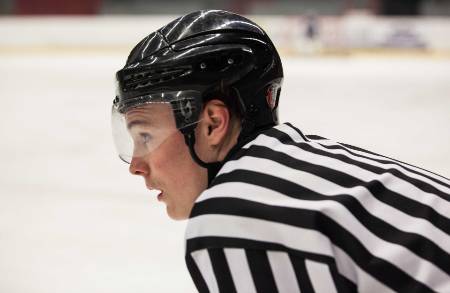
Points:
[295,213]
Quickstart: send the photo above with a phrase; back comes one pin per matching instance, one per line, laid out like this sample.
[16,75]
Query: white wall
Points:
[355,31]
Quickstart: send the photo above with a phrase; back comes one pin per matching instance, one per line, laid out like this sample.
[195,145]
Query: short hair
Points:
[231,100]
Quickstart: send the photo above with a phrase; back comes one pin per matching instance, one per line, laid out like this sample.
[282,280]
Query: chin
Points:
[177,215]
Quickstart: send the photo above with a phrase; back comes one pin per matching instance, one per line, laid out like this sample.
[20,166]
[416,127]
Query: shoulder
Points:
[258,195]
[249,205]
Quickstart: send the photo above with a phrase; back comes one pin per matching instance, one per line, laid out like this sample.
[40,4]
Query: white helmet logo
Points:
[186,110]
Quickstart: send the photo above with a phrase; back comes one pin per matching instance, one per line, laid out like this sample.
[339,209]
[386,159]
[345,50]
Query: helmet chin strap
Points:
[212,168]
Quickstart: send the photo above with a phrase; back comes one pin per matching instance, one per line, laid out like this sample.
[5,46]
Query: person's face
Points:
[168,167]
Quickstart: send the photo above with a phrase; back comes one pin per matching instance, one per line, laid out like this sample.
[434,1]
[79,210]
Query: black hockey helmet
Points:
[209,54]
[214,52]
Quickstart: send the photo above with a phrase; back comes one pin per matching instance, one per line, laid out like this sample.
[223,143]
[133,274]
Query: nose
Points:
[138,166]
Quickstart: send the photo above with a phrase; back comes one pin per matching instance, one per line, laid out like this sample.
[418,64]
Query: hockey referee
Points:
[269,208]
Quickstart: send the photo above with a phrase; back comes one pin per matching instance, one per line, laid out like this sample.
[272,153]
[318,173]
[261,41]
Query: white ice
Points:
[72,219]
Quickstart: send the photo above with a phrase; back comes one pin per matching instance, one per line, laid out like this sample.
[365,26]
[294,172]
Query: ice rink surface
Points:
[72,219]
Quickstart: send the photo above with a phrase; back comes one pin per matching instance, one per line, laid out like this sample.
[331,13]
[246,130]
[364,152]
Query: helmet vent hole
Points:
[147,78]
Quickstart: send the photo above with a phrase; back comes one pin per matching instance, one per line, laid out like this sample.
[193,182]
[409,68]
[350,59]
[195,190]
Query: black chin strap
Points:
[248,133]
[213,168]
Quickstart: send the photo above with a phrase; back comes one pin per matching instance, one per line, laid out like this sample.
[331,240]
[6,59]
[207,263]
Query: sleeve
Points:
[251,270]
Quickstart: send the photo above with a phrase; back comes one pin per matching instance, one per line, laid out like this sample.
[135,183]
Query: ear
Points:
[215,122]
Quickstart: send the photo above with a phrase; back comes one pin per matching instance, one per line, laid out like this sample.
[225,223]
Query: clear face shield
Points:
[142,124]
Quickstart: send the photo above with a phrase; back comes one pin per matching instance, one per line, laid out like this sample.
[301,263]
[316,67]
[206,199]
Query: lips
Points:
[160,195]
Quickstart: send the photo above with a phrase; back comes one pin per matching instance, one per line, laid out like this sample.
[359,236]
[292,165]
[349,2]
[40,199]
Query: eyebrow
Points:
[137,122]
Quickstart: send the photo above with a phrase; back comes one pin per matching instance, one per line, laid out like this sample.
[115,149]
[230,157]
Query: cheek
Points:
[173,166]
[177,173]
[173,161]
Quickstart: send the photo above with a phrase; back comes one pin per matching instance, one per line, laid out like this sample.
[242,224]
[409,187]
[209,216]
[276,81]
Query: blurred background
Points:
[372,73]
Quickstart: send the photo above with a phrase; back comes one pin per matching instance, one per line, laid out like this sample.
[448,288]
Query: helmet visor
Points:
[148,121]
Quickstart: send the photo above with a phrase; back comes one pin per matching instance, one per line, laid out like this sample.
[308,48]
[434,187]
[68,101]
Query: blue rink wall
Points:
[72,219]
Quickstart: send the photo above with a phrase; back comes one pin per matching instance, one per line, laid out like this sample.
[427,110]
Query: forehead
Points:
[157,114]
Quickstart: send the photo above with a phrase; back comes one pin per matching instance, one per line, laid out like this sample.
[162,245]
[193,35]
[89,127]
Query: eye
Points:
[145,137]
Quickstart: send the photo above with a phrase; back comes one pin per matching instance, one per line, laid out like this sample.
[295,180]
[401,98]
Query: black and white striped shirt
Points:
[290,213]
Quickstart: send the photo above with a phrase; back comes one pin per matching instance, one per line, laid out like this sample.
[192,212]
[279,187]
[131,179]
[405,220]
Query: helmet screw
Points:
[202,65]
[252,109]
[230,61]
